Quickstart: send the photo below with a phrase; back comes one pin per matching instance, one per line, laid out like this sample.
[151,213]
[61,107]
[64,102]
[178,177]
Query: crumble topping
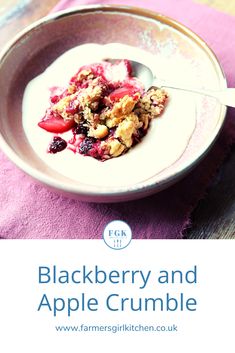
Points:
[152,102]
[106,112]
[127,129]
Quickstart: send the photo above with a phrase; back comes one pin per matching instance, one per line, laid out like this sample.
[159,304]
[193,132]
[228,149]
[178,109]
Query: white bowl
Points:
[175,143]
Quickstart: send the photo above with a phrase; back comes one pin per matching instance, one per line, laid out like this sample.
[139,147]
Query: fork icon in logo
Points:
[117,235]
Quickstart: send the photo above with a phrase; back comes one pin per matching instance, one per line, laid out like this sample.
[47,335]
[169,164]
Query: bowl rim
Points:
[140,188]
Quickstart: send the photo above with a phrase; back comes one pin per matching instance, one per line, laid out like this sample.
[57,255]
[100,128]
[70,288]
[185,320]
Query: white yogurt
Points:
[163,145]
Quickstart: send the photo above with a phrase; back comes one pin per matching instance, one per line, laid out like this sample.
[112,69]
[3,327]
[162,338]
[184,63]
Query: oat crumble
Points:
[106,116]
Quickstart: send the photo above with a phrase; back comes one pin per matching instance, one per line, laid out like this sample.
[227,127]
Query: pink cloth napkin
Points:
[29,210]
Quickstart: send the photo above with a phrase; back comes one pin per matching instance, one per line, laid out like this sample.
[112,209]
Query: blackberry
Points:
[86,145]
[57,145]
[141,133]
[80,129]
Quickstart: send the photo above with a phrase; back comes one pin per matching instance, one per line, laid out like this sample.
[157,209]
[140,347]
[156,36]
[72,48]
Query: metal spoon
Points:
[145,74]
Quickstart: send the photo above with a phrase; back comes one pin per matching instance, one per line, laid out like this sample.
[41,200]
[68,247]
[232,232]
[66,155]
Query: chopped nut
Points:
[145,120]
[99,132]
[115,147]
[119,111]
[123,107]
[127,128]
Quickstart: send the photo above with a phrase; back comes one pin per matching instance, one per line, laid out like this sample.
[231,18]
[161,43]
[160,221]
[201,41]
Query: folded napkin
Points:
[29,210]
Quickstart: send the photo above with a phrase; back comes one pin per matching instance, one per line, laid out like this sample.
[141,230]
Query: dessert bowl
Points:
[175,142]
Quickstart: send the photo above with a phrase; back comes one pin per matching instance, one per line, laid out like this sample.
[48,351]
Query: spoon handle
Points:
[225,96]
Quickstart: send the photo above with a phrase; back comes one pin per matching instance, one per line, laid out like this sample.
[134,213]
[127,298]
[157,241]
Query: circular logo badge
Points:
[117,235]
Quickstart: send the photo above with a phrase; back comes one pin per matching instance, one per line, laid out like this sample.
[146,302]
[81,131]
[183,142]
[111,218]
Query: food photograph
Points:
[117,110]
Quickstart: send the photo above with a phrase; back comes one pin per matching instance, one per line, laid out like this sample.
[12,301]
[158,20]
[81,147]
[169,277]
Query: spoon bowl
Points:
[144,73]
[147,77]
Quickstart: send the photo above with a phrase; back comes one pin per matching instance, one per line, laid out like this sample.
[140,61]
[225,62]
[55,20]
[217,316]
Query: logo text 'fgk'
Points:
[117,235]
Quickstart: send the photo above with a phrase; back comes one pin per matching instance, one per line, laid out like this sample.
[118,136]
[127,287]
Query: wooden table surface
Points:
[214,218]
